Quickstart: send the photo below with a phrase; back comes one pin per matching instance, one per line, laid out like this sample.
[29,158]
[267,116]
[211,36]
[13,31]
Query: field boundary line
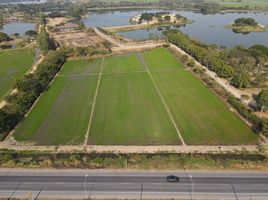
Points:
[162,99]
[121,72]
[106,73]
[93,104]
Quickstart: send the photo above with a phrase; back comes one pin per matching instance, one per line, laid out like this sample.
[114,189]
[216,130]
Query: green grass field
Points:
[202,117]
[13,64]
[129,109]
[61,115]
[242,3]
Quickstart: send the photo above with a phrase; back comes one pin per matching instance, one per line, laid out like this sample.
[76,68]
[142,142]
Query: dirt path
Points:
[132,149]
[127,46]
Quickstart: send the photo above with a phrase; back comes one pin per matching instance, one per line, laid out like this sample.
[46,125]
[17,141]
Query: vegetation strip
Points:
[34,159]
[162,99]
[94,103]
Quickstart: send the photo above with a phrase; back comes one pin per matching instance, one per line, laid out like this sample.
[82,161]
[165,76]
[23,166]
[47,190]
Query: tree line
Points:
[29,88]
[245,22]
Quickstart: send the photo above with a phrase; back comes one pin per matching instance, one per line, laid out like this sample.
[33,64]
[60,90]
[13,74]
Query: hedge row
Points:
[259,125]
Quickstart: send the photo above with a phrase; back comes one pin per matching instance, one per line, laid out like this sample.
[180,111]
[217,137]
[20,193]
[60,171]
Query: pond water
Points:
[17,27]
[206,28]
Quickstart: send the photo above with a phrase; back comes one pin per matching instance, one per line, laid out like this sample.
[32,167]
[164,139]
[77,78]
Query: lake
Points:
[206,28]
[17,27]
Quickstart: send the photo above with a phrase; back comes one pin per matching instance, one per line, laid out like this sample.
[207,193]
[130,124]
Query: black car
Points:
[172,178]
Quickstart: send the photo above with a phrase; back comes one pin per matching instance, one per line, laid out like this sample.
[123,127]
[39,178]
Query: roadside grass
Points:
[163,161]
[61,115]
[130,112]
[123,63]
[203,118]
[76,67]
[13,65]
[161,59]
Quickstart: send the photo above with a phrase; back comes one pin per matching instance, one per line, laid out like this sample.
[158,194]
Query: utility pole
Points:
[236,197]
[192,184]
[141,191]
[262,108]
[190,176]
[85,185]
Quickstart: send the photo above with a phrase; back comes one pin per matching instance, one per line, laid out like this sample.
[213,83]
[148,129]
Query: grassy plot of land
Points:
[161,59]
[61,115]
[128,109]
[202,117]
[130,112]
[242,3]
[13,64]
[122,64]
[80,67]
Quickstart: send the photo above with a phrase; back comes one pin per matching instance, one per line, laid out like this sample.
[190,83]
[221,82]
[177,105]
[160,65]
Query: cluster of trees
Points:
[147,16]
[158,15]
[245,22]
[76,10]
[243,67]
[29,89]
[1,19]
[44,42]
[208,8]
[259,125]
[86,51]
[247,61]
[205,54]
[31,33]
[262,100]
[4,37]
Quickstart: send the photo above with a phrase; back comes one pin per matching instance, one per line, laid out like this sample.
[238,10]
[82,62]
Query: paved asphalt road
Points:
[138,185]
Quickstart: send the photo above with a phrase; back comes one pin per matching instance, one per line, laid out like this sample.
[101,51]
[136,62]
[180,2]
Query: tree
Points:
[4,37]
[262,99]
[191,63]
[7,121]
[31,33]
[44,42]
[1,20]
[75,11]
[167,18]
[184,58]
[147,16]
[42,19]
[16,35]
[245,21]
[240,80]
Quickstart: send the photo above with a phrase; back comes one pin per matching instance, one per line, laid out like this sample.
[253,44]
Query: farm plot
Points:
[13,65]
[62,113]
[136,99]
[130,112]
[161,59]
[121,64]
[202,117]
